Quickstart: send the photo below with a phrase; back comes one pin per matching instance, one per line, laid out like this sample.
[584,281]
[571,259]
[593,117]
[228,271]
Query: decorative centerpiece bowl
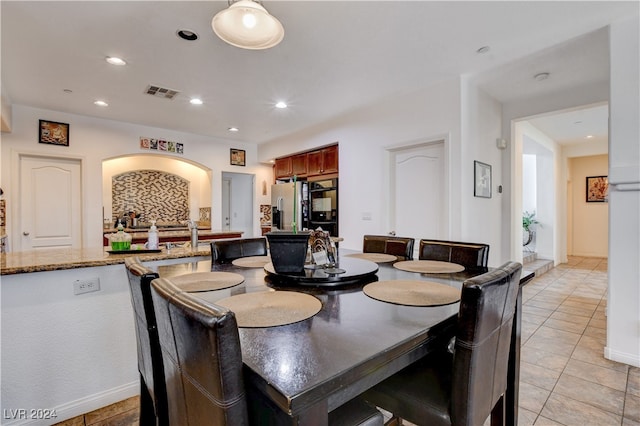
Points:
[288,251]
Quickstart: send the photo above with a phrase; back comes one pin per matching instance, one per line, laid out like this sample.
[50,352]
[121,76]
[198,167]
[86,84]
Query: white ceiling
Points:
[336,57]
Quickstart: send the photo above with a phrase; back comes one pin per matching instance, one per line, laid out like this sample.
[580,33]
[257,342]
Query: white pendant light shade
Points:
[248,25]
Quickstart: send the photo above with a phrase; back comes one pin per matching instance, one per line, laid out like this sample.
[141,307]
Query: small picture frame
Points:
[238,157]
[597,189]
[53,132]
[481,180]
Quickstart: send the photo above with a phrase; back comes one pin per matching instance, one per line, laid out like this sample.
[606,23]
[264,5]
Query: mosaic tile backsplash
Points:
[153,194]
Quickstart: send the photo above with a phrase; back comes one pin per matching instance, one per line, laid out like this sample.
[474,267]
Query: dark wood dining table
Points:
[296,374]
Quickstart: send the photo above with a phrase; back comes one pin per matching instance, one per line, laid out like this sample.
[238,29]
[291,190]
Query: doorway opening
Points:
[237,207]
[552,154]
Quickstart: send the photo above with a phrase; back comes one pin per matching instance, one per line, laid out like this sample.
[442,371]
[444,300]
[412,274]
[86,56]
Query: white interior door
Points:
[237,202]
[226,204]
[50,203]
[417,191]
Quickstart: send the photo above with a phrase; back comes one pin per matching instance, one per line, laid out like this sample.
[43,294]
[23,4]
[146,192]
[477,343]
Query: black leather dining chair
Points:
[153,394]
[203,364]
[466,385]
[473,256]
[226,251]
[401,247]
[202,359]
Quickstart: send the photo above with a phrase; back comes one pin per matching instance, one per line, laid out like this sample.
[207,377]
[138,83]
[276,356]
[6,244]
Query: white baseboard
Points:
[623,357]
[75,408]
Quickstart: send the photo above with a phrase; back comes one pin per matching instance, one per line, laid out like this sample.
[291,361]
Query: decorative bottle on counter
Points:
[120,240]
[153,242]
[194,234]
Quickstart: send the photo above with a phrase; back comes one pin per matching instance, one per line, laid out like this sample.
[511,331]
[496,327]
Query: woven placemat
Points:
[375,257]
[429,266]
[271,308]
[252,261]
[412,292]
[207,281]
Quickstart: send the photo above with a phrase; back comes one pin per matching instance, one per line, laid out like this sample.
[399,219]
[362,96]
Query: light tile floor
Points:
[564,377]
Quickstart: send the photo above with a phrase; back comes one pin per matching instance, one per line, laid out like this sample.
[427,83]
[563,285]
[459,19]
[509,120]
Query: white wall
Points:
[65,352]
[425,115]
[548,189]
[364,137]
[623,301]
[481,218]
[94,140]
[529,187]
[589,221]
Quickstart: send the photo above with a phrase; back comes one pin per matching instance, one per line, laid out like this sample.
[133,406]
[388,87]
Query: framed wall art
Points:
[597,189]
[481,180]
[238,157]
[53,132]
[161,145]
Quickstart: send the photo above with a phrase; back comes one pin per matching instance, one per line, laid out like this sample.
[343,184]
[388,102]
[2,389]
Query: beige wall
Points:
[588,221]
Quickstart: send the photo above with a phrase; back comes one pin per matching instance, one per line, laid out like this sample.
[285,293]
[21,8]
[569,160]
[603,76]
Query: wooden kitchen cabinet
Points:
[320,162]
[323,161]
[299,165]
[282,168]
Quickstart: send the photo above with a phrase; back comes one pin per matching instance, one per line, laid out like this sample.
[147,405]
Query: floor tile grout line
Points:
[602,297]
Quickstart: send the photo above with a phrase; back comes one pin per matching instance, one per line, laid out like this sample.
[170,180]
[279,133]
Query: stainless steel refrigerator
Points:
[282,202]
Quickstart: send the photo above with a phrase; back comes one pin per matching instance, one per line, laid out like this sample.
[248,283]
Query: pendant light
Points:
[248,25]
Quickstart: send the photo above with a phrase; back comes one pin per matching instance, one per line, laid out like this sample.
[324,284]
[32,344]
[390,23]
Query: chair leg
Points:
[498,413]
[147,411]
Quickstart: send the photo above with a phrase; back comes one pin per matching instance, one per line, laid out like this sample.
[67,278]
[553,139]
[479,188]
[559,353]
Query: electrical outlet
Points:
[86,286]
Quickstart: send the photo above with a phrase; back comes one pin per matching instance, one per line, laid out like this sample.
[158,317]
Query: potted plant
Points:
[528,222]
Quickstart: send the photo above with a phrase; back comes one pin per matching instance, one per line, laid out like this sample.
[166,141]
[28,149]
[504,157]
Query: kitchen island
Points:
[140,236]
[61,259]
[68,335]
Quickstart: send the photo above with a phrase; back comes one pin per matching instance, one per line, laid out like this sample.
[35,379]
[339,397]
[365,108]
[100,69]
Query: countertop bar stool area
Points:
[467,384]
[226,251]
[401,247]
[473,256]
[153,393]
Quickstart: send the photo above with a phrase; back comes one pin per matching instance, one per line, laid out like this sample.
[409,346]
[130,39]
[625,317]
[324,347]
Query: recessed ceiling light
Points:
[541,76]
[113,60]
[101,103]
[483,49]
[196,101]
[187,35]
[281,105]
[233,129]
[589,136]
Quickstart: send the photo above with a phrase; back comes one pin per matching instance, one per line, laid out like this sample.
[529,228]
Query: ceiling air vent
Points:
[161,92]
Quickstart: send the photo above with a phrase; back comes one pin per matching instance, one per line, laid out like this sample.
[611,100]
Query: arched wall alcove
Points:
[141,168]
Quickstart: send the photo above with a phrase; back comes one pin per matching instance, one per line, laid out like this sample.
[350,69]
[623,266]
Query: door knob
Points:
[25,233]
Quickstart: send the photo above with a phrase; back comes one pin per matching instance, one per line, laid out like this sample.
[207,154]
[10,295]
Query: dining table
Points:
[297,373]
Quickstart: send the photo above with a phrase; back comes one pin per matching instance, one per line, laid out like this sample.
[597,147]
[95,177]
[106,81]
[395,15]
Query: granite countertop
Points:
[58,259]
[167,233]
